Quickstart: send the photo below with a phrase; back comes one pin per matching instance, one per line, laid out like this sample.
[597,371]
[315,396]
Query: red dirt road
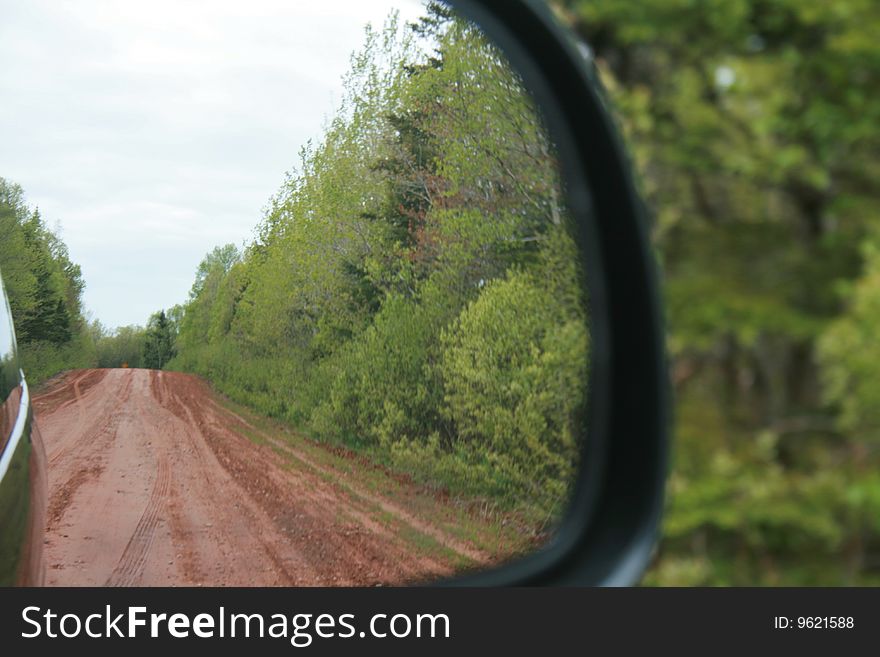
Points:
[152,482]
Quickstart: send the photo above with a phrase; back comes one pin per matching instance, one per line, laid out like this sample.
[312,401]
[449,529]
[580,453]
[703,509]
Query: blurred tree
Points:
[754,128]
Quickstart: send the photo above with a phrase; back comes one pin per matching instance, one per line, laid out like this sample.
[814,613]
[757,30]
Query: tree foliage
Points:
[122,347]
[421,236]
[44,288]
[158,341]
[753,124]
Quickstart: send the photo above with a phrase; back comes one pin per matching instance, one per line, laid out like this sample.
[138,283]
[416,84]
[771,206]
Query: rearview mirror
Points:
[438,356]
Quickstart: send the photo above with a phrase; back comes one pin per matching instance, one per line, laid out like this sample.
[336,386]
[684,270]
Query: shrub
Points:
[514,368]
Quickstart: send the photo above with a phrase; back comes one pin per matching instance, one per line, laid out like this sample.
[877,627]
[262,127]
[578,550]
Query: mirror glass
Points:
[10,396]
[298,293]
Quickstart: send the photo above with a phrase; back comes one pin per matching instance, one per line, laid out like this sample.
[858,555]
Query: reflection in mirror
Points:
[10,393]
[384,383]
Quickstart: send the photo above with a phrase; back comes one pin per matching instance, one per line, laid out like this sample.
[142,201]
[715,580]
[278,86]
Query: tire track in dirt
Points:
[79,461]
[197,446]
[389,507]
[130,566]
[153,483]
[102,422]
[56,387]
[62,495]
[68,390]
[303,517]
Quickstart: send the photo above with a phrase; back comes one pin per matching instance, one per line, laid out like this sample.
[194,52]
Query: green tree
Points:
[513,366]
[123,347]
[158,341]
[754,131]
[433,185]
[45,289]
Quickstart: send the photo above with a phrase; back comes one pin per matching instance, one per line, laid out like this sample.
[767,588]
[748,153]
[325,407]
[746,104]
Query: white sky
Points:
[150,132]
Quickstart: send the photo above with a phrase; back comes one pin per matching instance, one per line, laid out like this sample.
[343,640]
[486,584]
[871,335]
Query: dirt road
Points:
[153,482]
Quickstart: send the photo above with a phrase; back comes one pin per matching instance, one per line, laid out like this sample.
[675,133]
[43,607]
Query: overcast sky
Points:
[151,132]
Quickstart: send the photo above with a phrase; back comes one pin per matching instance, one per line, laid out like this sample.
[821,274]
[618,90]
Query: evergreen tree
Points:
[158,341]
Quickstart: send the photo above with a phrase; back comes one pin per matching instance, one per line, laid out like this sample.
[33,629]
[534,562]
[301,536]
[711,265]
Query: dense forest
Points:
[753,124]
[413,291]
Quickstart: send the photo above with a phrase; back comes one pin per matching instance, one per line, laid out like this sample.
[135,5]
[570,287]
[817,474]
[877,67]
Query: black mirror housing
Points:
[610,529]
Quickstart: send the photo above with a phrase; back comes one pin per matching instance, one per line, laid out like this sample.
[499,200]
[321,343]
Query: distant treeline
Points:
[151,346]
[413,290]
[45,289]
